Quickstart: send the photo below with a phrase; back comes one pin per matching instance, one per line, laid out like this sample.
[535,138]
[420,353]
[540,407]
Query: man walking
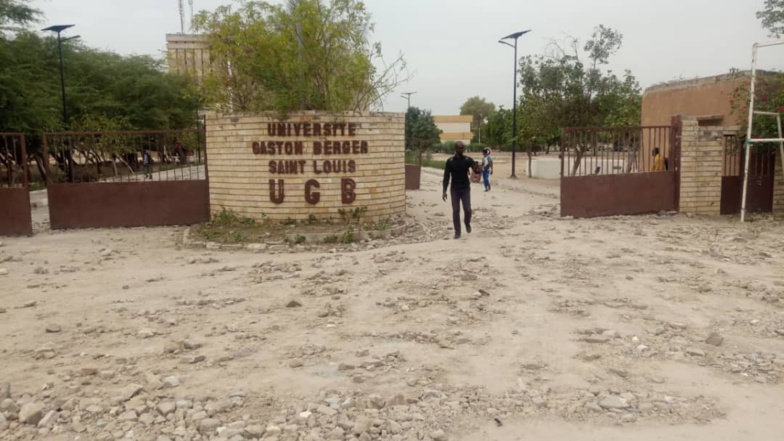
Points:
[457,168]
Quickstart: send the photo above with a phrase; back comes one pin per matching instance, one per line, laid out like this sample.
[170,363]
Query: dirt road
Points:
[531,328]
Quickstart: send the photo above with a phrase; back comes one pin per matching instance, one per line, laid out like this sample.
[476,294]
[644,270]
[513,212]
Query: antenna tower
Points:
[182,17]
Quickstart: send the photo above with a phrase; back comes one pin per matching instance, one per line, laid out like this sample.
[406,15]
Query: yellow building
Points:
[188,55]
[455,127]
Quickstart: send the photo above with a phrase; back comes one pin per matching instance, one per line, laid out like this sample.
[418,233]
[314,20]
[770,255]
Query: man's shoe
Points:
[457,235]
[468,229]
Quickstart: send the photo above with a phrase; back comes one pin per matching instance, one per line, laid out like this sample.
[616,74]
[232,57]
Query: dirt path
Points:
[584,329]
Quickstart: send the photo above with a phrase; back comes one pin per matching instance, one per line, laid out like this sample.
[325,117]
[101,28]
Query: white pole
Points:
[748,145]
[781,148]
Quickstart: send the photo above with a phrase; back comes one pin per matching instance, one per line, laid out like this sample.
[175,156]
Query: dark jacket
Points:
[457,168]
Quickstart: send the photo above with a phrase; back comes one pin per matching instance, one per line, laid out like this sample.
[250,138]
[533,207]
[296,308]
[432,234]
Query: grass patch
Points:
[231,227]
[427,161]
[36,185]
[348,236]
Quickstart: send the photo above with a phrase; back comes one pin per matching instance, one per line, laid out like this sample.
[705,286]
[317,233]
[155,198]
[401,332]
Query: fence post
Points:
[24,162]
[45,155]
[563,154]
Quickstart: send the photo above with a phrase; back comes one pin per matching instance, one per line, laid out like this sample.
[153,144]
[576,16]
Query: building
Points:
[455,127]
[709,99]
[188,55]
[709,144]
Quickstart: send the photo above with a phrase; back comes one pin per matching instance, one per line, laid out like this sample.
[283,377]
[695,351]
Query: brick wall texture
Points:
[702,160]
[246,152]
[702,167]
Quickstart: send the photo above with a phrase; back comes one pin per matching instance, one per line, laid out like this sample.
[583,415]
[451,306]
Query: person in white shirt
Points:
[487,167]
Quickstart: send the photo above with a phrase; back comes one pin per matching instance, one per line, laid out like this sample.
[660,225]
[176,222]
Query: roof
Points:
[695,82]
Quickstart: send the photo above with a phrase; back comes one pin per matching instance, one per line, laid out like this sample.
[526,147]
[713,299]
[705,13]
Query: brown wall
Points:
[15,215]
[701,97]
[128,204]
[413,176]
[612,195]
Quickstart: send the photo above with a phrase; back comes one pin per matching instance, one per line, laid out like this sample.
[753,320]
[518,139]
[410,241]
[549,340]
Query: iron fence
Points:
[13,160]
[733,157]
[615,150]
[126,156]
[762,158]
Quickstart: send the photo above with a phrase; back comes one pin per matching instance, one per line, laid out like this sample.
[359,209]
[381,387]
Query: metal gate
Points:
[762,164]
[15,215]
[126,178]
[610,171]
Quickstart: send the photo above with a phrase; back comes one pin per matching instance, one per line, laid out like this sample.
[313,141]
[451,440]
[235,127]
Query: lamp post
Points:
[59,29]
[407,96]
[514,37]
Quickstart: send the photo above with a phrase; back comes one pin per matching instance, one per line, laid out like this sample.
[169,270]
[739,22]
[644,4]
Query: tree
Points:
[498,130]
[306,55]
[769,97]
[16,13]
[421,131]
[772,16]
[479,109]
[100,85]
[105,91]
[560,90]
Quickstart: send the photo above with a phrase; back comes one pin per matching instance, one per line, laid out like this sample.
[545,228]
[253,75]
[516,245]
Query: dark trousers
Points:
[464,195]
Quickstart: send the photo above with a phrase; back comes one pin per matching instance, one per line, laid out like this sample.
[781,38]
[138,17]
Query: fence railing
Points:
[615,150]
[126,156]
[762,159]
[13,160]
[733,158]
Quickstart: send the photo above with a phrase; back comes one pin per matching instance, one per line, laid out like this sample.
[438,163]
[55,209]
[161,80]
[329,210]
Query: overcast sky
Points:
[451,45]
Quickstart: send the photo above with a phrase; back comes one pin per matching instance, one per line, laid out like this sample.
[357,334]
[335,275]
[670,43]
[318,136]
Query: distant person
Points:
[457,168]
[147,161]
[180,151]
[658,161]
[487,167]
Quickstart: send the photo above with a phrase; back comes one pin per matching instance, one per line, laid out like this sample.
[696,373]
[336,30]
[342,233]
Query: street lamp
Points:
[407,95]
[59,29]
[514,37]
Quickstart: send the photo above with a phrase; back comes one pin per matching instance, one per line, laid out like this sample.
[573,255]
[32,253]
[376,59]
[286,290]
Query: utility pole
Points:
[407,96]
[182,16]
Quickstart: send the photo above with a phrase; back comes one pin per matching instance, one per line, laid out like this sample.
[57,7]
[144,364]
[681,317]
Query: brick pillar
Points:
[702,150]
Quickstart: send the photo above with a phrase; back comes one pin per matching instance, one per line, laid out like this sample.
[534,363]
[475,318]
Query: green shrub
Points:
[230,218]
